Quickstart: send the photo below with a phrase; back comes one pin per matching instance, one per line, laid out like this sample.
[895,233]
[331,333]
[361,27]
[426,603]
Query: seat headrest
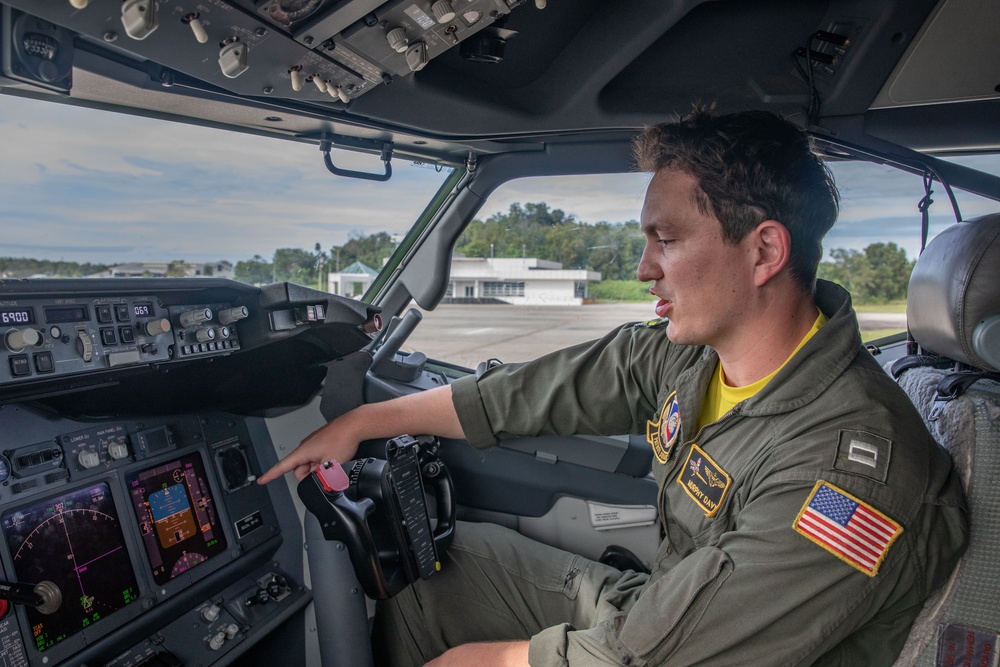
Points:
[953,303]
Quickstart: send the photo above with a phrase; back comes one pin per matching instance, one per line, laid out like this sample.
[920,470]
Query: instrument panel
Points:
[131,436]
[50,337]
[143,541]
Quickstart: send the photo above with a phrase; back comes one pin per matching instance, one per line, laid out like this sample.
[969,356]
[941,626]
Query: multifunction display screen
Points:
[177,516]
[74,541]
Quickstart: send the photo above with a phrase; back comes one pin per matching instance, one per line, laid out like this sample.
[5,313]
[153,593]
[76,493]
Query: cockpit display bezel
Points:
[168,586]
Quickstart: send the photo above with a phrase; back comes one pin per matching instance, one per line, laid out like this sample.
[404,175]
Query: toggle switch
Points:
[295,74]
[193,20]
[318,82]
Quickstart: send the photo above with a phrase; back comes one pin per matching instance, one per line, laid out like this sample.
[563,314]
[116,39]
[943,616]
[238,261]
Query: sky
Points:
[92,186]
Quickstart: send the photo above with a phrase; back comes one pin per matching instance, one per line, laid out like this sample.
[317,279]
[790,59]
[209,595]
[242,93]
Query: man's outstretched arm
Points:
[425,413]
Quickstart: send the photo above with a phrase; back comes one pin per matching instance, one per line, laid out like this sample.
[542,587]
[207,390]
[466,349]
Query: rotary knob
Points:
[443,11]
[156,327]
[397,40]
[204,335]
[222,333]
[88,459]
[118,451]
[210,614]
[193,318]
[416,56]
[18,339]
[231,315]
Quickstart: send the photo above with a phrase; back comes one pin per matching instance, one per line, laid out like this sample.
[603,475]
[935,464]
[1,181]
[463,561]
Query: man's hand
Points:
[333,441]
[489,654]
[425,413]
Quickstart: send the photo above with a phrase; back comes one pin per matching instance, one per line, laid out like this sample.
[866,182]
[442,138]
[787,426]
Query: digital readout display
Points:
[75,542]
[12,316]
[142,309]
[63,314]
[177,515]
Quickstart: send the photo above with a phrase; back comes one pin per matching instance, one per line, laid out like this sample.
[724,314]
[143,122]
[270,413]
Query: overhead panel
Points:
[328,51]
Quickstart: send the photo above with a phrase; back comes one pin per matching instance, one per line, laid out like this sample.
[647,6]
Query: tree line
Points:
[877,274]
[23,267]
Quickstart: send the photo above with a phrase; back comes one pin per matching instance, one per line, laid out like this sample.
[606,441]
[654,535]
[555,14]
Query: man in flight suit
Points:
[806,511]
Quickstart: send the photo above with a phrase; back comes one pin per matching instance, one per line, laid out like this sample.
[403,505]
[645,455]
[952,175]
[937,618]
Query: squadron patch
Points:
[850,529]
[662,434]
[704,481]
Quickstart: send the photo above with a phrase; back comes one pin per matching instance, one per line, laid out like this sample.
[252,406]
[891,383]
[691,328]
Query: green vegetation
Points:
[894,307]
[878,274]
[619,291]
[20,267]
[534,230]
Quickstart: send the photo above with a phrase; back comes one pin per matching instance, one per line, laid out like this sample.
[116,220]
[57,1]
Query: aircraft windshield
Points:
[89,193]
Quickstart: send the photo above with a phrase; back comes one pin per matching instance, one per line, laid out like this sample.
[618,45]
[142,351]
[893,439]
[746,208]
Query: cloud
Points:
[88,185]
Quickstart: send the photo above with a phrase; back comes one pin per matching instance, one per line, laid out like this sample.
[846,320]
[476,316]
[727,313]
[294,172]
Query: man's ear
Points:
[772,250]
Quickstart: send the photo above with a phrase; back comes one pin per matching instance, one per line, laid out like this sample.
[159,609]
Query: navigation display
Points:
[74,541]
[177,516]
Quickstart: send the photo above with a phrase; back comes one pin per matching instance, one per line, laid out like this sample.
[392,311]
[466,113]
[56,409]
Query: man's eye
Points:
[664,242]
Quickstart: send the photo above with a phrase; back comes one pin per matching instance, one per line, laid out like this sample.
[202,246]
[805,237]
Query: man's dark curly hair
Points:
[751,166]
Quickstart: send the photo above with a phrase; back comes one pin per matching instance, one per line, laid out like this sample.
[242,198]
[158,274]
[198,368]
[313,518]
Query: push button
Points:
[104,314]
[108,336]
[121,312]
[127,334]
[19,365]
[43,362]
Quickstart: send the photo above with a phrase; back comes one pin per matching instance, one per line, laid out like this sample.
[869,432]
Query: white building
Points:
[220,269]
[527,281]
[352,281]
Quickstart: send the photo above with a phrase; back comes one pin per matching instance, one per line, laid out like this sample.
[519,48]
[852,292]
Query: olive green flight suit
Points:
[739,579]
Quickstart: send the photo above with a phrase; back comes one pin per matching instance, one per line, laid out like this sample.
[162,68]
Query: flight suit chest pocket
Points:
[697,495]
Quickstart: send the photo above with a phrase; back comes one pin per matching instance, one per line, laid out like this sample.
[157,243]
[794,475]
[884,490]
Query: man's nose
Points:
[647,269]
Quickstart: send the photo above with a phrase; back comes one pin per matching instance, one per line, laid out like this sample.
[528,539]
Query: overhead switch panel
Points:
[253,47]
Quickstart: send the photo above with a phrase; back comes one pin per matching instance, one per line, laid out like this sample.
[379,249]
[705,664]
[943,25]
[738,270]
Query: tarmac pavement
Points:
[467,334]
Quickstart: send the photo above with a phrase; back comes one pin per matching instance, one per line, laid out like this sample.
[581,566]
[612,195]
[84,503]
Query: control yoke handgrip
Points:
[332,508]
[436,473]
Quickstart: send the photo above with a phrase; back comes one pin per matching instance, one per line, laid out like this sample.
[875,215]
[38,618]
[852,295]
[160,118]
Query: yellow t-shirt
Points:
[721,398]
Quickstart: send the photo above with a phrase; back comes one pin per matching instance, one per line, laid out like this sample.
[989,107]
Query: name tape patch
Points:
[849,528]
[963,646]
[704,481]
[662,434]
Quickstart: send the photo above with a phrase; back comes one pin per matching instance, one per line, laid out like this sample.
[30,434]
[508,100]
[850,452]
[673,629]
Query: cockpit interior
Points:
[137,413]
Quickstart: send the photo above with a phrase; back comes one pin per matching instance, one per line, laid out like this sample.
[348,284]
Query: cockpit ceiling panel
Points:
[954,58]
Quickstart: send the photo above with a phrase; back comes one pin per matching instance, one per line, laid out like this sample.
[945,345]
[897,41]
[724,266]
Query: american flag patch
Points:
[852,530]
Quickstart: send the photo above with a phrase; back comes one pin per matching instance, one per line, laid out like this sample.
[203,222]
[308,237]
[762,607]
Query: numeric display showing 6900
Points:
[12,316]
